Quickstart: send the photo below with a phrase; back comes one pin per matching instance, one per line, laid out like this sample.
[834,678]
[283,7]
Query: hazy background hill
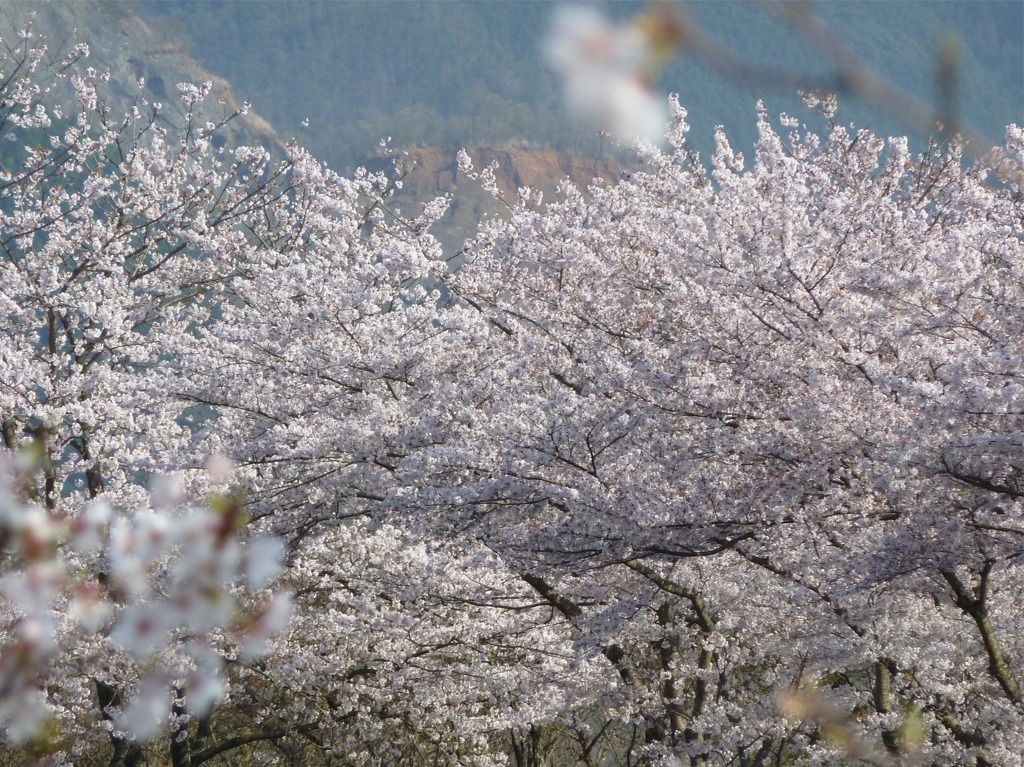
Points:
[437,75]
[131,48]
[468,73]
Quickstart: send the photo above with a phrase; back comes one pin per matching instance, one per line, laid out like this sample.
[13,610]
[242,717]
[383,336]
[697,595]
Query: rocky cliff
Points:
[434,172]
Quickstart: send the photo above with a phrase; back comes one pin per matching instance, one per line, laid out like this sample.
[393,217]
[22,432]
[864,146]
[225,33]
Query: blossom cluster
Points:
[607,70]
[174,590]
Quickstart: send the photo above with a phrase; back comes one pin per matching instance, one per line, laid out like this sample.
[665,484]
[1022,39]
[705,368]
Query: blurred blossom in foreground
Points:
[181,590]
[607,69]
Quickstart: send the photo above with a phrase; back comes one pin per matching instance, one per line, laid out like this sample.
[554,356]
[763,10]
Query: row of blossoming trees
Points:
[707,466]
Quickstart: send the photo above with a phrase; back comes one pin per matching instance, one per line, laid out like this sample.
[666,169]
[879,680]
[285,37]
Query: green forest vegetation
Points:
[463,73]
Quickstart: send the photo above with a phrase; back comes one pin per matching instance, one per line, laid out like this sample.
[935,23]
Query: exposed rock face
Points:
[131,49]
[435,172]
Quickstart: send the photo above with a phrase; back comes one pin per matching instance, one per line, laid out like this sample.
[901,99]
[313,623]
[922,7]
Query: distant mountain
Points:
[132,48]
[436,76]
[450,73]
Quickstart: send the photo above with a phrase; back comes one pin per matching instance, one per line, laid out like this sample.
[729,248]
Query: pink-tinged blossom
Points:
[204,687]
[24,712]
[262,561]
[88,528]
[147,713]
[34,588]
[603,67]
[89,608]
[269,619]
[143,629]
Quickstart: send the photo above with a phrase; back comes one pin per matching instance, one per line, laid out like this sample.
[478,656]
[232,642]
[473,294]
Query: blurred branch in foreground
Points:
[608,72]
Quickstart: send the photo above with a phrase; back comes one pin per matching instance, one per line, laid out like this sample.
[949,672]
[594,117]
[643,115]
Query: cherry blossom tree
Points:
[118,236]
[747,435]
[121,604]
[167,301]
[784,399]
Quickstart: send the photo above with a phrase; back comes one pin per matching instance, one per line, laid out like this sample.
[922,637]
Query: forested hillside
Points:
[121,43]
[470,74]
